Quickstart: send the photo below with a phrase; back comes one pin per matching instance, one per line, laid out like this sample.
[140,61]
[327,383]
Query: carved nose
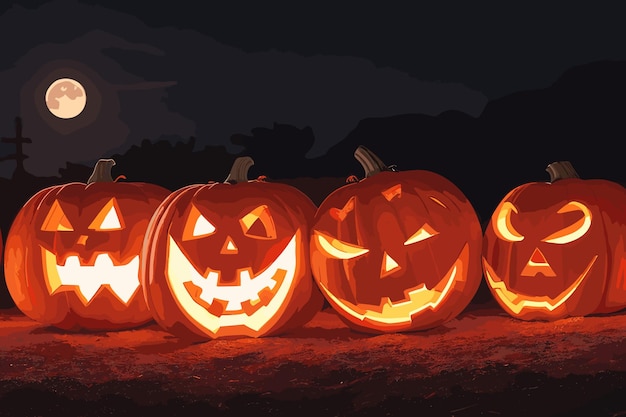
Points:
[82,240]
[536,264]
[389,265]
[229,247]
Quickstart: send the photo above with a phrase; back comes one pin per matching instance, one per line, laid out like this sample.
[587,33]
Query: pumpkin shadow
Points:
[51,329]
[621,312]
[348,333]
[169,345]
[344,333]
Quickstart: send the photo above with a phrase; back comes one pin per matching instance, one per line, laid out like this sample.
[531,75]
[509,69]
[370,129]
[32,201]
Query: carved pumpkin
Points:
[72,253]
[556,249]
[231,259]
[396,251]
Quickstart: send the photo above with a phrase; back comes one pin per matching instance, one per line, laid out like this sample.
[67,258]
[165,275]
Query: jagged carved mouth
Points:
[416,300]
[255,300]
[517,302]
[86,280]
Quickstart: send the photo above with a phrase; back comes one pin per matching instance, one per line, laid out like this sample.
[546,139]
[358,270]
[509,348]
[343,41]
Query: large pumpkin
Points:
[397,250]
[556,249]
[71,257]
[230,259]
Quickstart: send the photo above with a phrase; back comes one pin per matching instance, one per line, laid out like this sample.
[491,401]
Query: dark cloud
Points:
[166,82]
[490,46]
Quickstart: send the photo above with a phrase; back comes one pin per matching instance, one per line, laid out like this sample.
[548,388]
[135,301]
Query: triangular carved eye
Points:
[108,218]
[56,220]
[197,225]
[258,224]
[424,232]
[202,227]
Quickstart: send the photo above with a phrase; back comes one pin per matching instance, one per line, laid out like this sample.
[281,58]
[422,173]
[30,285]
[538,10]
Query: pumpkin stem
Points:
[560,170]
[239,170]
[371,163]
[102,171]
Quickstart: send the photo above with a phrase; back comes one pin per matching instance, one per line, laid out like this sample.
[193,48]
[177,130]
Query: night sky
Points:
[188,68]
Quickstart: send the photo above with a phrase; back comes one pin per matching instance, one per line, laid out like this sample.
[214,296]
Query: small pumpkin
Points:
[72,252]
[397,250]
[556,249]
[230,259]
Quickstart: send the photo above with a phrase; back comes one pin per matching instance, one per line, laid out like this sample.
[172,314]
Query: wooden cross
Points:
[18,140]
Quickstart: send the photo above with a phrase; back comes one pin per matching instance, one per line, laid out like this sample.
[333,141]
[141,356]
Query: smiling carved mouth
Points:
[251,303]
[86,280]
[516,302]
[417,299]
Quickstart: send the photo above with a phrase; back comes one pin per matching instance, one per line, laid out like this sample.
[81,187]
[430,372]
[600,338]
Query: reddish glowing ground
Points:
[482,363]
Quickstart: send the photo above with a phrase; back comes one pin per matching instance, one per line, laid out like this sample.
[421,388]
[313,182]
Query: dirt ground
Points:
[483,363]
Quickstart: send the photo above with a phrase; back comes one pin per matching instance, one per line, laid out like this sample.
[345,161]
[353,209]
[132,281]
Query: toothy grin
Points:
[417,300]
[122,280]
[516,303]
[238,304]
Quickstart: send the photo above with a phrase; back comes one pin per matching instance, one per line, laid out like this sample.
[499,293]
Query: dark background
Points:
[485,94]
[513,87]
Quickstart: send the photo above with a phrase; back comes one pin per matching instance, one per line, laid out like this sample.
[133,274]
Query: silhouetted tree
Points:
[279,152]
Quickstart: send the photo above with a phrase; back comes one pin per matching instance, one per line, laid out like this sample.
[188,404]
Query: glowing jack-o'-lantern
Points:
[397,250]
[231,259]
[556,249]
[72,253]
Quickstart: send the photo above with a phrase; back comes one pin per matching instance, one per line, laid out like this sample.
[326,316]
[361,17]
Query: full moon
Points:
[66,98]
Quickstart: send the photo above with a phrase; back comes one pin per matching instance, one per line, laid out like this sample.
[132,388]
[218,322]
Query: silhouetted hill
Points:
[579,118]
